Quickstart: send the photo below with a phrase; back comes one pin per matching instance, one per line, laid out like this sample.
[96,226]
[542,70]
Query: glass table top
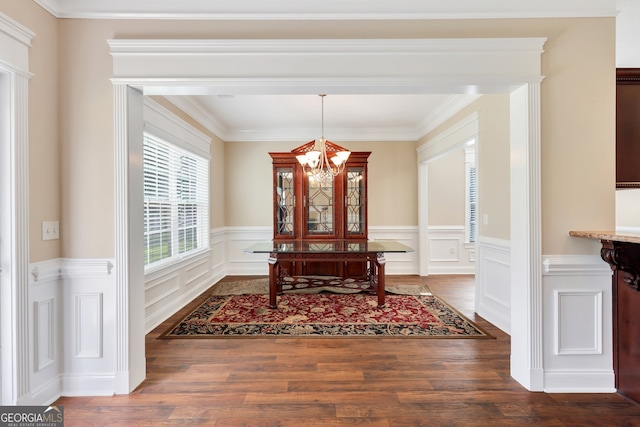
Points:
[328,246]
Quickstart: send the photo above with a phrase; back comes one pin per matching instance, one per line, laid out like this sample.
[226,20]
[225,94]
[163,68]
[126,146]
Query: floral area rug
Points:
[325,314]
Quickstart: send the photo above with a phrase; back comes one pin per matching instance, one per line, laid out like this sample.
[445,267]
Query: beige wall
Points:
[493,158]
[577,98]
[249,182]
[493,173]
[392,182]
[578,135]
[446,189]
[44,146]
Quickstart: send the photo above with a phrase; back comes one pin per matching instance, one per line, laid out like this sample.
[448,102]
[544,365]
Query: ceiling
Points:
[242,117]
[300,117]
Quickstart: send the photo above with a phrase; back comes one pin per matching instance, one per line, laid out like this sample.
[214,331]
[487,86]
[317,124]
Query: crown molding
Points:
[326,9]
[196,111]
[52,6]
[15,30]
[446,110]
[336,135]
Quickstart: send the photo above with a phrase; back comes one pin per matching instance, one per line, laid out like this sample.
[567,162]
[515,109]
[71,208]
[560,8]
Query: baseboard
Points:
[260,268]
[441,270]
[88,385]
[579,381]
[45,395]
[498,319]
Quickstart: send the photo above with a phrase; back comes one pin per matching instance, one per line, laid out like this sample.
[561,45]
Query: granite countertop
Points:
[616,236]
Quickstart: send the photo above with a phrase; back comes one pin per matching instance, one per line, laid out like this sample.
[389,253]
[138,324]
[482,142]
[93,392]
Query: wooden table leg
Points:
[380,261]
[273,281]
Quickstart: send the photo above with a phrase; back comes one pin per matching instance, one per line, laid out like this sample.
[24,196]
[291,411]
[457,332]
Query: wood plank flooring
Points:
[343,382]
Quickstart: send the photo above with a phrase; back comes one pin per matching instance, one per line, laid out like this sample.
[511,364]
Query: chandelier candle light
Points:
[316,163]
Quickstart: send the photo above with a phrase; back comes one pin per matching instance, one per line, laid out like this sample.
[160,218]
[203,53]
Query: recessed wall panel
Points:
[88,341]
[45,333]
[578,322]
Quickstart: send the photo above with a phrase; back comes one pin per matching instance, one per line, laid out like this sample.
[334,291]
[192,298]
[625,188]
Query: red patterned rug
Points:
[326,315]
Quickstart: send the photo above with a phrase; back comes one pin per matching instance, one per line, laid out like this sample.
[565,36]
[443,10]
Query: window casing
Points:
[175,201]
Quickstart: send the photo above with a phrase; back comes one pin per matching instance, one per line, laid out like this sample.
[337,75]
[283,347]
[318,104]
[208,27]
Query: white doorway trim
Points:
[174,67]
[452,139]
[15,41]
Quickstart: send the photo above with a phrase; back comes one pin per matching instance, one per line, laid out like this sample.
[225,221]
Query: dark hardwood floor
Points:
[343,382]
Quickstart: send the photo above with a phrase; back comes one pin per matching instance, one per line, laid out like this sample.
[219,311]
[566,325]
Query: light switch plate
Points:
[50,230]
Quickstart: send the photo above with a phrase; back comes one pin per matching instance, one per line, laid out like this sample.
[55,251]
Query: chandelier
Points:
[316,164]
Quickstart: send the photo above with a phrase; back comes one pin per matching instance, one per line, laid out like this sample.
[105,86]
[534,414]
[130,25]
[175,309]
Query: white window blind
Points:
[472,219]
[176,202]
[471,222]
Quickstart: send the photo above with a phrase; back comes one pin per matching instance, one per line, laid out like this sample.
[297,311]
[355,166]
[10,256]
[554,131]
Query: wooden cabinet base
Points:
[624,259]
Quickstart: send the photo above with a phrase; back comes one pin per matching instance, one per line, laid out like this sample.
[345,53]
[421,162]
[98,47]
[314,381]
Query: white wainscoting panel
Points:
[169,289]
[158,290]
[45,333]
[399,263]
[577,322]
[45,337]
[493,281]
[89,335]
[218,244]
[448,253]
[243,263]
[88,325]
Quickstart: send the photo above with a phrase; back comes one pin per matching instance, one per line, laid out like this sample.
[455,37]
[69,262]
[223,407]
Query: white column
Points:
[15,41]
[129,271]
[526,231]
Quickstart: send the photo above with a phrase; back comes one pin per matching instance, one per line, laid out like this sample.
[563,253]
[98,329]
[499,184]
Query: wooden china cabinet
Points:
[627,127]
[317,212]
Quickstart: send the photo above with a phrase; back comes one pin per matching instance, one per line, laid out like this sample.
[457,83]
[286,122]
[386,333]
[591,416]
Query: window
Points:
[470,196]
[176,201]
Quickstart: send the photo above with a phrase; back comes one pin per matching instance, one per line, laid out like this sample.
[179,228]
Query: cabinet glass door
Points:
[319,207]
[285,202]
[355,201]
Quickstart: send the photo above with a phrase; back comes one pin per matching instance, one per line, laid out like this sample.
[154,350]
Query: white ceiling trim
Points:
[325,9]
[177,66]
